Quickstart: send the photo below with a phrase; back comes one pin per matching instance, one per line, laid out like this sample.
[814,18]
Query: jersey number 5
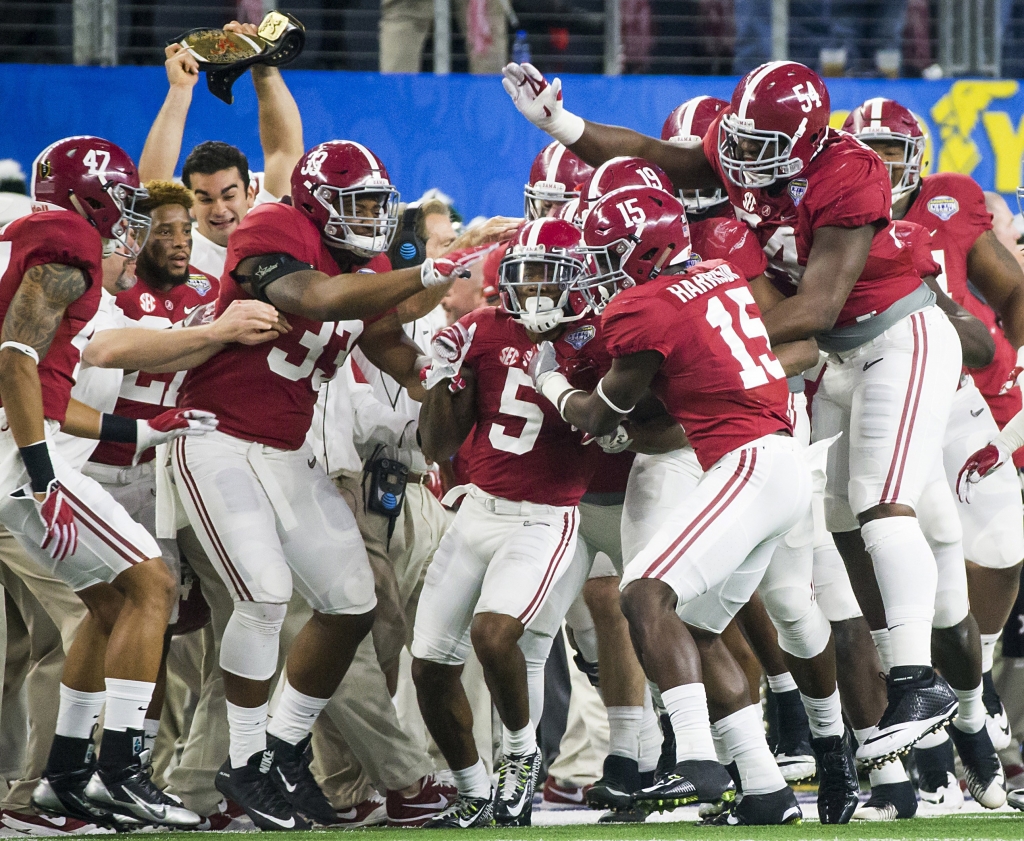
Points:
[513,406]
[743,348]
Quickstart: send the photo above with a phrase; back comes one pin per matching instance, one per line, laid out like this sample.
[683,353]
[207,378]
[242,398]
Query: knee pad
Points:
[832,588]
[803,629]
[938,515]
[251,646]
[535,648]
[951,602]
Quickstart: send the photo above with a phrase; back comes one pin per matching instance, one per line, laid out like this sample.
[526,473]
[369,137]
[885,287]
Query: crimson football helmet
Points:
[555,178]
[334,184]
[539,271]
[688,124]
[883,120]
[633,234]
[776,123]
[620,172]
[96,179]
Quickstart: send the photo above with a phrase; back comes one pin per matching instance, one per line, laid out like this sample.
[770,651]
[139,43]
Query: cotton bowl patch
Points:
[943,206]
[199,282]
[797,189]
[581,335]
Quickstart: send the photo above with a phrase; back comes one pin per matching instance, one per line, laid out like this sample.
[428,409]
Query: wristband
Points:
[117,428]
[1011,438]
[28,350]
[568,128]
[560,405]
[612,406]
[37,462]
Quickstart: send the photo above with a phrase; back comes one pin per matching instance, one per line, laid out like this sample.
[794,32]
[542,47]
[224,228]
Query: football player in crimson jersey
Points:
[555,179]
[952,207]
[264,509]
[513,537]
[672,330]
[49,293]
[819,203]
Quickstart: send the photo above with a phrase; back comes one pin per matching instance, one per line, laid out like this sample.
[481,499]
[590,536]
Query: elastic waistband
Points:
[844,339]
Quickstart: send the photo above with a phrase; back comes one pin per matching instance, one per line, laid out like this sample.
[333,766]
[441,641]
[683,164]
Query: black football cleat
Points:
[777,808]
[252,788]
[920,702]
[792,745]
[64,794]
[889,802]
[464,813]
[982,768]
[517,780]
[838,787]
[620,778]
[691,781]
[290,772]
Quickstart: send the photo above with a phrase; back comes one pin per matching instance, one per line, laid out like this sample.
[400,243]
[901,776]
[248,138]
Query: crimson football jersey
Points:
[144,396]
[952,208]
[726,238]
[266,392]
[919,240]
[65,238]
[719,377]
[845,185]
[520,448]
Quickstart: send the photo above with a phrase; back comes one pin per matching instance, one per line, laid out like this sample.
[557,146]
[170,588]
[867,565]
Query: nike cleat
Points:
[433,798]
[465,813]
[777,808]
[64,794]
[252,788]
[568,795]
[131,792]
[1015,799]
[619,779]
[290,773]
[667,759]
[371,812]
[936,779]
[50,826]
[920,702]
[889,802]
[517,779]
[995,714]
[691,781]
[982,768]
[631,814]
[838,787]
[792,747]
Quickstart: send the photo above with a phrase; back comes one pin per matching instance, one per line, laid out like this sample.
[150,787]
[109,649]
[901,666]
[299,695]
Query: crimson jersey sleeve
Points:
[272,229]
[626,328]
[726,238]
[71,242]
[920,243]
[856,193]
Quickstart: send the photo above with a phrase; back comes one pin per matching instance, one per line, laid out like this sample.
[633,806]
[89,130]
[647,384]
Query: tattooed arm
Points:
[32,319]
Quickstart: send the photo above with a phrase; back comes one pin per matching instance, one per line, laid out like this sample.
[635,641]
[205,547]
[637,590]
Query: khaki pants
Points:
[405,24]
[51,613]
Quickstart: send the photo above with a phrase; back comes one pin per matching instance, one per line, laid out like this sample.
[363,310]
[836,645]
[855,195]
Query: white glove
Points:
[547,379]
[441,270]
[172,424]
[541,103]
[615,442]
[448,351]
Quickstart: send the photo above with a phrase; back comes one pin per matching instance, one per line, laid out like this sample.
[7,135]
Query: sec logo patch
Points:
[509,356]
[147,302]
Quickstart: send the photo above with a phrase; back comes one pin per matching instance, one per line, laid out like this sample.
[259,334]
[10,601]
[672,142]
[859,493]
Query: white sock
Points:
[988,650]
[970,717]
[781,683]
[883,645]
[78,712]
[825,715]
[519,742]
[891,772]
[150,730]
[624,731]
[721,751]
[687,705]
[933,740]
[473,781]
[650,736]
[293,719]
[127,702]
[743,736]
[247,728]
[907,578]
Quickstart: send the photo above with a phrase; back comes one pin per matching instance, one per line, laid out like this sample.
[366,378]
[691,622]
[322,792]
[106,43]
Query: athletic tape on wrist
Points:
[36,458]
[612,406]
[564,398]
[568,129]
[28,350]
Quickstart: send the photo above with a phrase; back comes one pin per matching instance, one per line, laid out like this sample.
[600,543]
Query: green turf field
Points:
[1008,826]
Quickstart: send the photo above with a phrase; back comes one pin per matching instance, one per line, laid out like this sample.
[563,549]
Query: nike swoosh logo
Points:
[290,786]
[56,820]
[885,735]
[538,523]
[158,812]
[441,802]
[348,814]
[288,824]
[975,414]
[577,796]
[519,807]
[311,463]
[869,364]
[190,310]
[466,823]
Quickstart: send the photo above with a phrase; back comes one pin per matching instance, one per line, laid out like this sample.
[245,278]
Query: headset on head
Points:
[408,249]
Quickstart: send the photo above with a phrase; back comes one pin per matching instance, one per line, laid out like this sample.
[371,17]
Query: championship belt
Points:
[225,56]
